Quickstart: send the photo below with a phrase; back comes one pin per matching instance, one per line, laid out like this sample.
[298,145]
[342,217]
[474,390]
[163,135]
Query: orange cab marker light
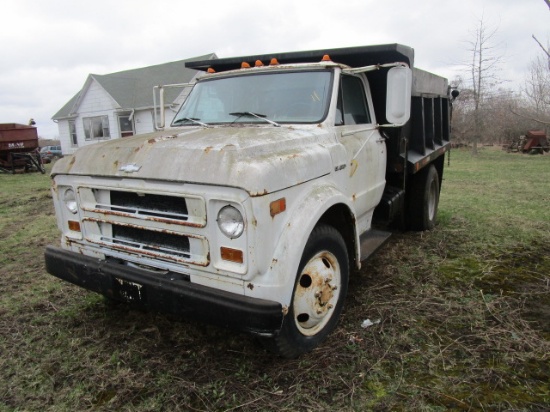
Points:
[277,206]
[326,58]
[258,63]
[245,65]
[74,225]
[232,255]
[211,70]
[274,62]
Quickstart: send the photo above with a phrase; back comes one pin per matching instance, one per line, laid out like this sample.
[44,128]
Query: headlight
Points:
[69,199]
[230,222]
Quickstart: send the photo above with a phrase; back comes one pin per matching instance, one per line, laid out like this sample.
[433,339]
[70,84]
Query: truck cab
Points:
[252,209]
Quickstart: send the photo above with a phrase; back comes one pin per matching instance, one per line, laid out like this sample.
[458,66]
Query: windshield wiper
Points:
[190,119]
[256,115]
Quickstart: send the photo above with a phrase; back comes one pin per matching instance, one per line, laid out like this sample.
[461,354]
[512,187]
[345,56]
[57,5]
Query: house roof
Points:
[133,89]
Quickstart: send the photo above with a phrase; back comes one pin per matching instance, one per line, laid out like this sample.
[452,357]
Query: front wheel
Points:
[319,293]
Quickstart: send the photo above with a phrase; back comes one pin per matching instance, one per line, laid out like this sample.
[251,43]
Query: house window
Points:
[96,128]
[126,125]
[72,132]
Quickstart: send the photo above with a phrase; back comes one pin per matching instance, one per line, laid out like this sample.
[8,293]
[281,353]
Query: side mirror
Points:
[398,95]
[454,94]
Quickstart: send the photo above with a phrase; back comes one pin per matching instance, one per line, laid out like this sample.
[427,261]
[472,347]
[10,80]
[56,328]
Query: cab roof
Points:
[352,56]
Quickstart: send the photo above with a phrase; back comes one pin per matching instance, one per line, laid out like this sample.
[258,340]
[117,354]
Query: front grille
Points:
[150,241]
[145,226]
[149,205]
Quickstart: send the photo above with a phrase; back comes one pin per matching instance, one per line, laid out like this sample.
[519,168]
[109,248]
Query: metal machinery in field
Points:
[19,149]
[534,142]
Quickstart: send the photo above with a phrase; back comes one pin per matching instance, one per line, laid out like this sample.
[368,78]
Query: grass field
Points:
[464,315]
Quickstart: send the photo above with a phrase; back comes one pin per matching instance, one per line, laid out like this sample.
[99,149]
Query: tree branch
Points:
[541,46]
[530,118]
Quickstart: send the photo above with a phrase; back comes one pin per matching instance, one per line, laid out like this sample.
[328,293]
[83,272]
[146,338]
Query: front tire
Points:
[319,292]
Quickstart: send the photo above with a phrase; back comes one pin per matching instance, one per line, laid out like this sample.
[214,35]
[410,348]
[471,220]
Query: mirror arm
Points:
[364,69]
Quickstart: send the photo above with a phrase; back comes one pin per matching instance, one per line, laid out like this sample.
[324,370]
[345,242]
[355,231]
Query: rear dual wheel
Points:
[424,199]
[319,293]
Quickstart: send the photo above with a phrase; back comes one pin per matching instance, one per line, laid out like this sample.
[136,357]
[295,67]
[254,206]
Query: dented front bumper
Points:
[166,293]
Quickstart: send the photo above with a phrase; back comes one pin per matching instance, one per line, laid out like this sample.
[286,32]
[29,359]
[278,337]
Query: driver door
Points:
[365,147]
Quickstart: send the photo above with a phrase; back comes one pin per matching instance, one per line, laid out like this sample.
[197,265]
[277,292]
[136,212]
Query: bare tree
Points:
[536,105]
[545,50]
[483,69]
[496,107]
[537,89]
[537,85]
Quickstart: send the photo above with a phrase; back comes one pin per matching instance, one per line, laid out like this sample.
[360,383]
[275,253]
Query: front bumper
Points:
[169,294]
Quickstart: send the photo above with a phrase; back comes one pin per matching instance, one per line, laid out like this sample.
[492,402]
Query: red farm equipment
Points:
[19,150]
[534,142]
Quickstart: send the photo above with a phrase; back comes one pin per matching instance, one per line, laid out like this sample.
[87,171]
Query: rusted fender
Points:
[279,281]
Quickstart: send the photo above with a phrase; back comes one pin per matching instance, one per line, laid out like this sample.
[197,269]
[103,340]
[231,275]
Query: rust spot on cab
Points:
[256,194]
[250,286]
[207,149]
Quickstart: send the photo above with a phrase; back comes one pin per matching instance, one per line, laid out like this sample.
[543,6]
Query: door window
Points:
[352,105]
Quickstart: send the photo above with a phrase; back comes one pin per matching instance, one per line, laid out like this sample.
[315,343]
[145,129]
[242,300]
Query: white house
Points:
[120,104]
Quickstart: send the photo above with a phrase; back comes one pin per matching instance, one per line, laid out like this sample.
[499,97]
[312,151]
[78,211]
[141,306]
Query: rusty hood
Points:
[260,160]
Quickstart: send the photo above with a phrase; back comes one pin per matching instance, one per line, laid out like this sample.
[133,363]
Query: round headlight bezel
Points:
[230,222]
[69,199]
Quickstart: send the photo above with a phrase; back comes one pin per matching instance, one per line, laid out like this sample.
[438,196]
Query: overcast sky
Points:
[48,48]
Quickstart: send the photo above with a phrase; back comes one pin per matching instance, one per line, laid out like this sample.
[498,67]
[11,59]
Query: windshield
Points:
[266,98]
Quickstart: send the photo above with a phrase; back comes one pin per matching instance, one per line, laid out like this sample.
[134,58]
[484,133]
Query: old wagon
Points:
[19,149]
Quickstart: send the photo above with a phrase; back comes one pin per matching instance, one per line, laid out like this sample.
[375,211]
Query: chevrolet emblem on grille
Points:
[130,168]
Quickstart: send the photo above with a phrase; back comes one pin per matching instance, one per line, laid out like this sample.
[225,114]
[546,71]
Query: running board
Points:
[371,241]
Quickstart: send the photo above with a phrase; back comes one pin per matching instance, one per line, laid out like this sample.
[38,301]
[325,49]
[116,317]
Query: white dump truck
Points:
[252,209]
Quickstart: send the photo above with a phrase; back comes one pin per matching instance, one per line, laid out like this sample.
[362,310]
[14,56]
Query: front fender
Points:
[288,251]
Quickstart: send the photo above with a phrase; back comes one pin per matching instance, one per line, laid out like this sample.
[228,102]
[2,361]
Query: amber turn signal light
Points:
[277,206]
[74,225]
[232,255]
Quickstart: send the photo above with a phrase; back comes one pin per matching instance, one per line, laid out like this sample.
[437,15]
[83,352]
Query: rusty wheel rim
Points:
[317,293]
